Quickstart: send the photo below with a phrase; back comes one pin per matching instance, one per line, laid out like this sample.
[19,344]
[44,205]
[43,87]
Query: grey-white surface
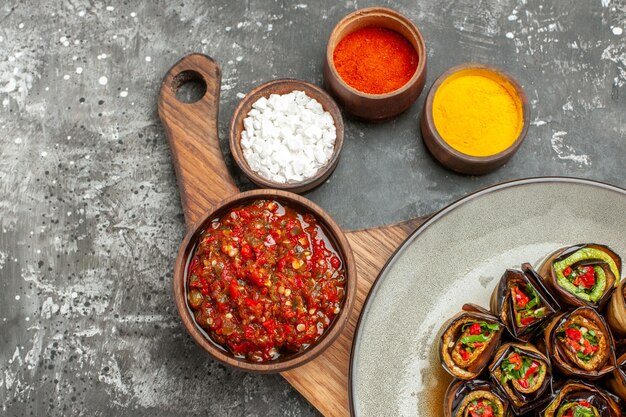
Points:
[397,370]
[90,217]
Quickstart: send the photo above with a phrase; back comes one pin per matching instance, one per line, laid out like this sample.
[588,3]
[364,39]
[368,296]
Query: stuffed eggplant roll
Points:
[582,275]
[474,399]
[617,381]
[616,311]
[580,344]
[468,342]
[523,303]
[524,374]
[579,399]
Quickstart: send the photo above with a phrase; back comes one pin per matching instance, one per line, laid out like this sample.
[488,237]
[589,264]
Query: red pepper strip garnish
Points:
[474,329]
[574,344]
[527,320]
[464,354]
[516,360]
[570,412]
[481,410]
[588,348]
[567,271]
[520,298]
[534,367]
[589,278]
[573,334]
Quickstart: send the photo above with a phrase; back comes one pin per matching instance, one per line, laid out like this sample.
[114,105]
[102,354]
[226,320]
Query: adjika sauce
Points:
[265,281]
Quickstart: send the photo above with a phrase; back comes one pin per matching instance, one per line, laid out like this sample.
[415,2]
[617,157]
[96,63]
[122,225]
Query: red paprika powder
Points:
[375,60]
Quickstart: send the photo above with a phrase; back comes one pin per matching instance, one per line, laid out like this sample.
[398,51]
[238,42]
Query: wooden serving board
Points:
[204,180]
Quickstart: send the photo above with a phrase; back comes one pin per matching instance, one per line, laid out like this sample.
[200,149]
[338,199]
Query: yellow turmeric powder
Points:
[478,112]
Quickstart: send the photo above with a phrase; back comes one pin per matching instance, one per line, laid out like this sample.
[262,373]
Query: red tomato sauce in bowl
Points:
[265,281]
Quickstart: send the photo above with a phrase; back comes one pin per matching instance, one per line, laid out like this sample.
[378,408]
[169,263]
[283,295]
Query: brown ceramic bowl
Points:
[285,86]
[458,161]
[334,234]
[375,107]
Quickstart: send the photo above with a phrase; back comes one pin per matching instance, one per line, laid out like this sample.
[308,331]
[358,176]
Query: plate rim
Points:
[436,216]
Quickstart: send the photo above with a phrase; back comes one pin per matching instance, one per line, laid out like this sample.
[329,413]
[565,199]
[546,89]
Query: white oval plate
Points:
[457,257]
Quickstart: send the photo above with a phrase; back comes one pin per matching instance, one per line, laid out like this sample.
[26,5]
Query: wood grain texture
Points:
[203,179]
[204,183]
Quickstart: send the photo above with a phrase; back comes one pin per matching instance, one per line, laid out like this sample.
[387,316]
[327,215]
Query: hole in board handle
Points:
[189,86]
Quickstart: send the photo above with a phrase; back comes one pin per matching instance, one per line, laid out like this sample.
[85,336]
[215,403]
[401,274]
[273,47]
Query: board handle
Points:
[203,178]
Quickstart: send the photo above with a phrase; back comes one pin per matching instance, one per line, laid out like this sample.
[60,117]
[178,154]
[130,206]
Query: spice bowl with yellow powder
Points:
[475,118]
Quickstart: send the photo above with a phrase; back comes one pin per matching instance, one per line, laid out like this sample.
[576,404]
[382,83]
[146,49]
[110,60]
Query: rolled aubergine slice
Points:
[474,399]
[575,398]
[582,275]
[523,374]
[617,381]
[616,311]
[523,303]
[468,342]
[580,344]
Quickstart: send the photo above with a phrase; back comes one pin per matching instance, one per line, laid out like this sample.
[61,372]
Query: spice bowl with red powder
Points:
[375,64]
[265,282]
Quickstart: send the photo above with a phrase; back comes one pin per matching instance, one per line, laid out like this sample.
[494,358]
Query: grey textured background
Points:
[90,216]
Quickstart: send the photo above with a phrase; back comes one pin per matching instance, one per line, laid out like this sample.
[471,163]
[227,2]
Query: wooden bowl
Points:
[285,86]
[334,234]
[458,161]
[375,107]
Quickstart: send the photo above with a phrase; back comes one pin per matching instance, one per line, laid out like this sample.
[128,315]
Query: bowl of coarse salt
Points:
[287,134]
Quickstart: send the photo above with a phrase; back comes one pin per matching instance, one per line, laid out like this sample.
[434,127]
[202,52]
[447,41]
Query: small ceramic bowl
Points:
[375,107]
[452,158]
[333,233]
[285,86]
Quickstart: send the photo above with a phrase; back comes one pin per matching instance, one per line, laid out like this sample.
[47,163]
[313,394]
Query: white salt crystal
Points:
[329,137]
[248,124]
[313,132]
[257,147]
[315,107]
[260,104]
[272,100]
[319,154]
[301,98]
[298,165]
[327,120]
[245,143]
[295,144]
